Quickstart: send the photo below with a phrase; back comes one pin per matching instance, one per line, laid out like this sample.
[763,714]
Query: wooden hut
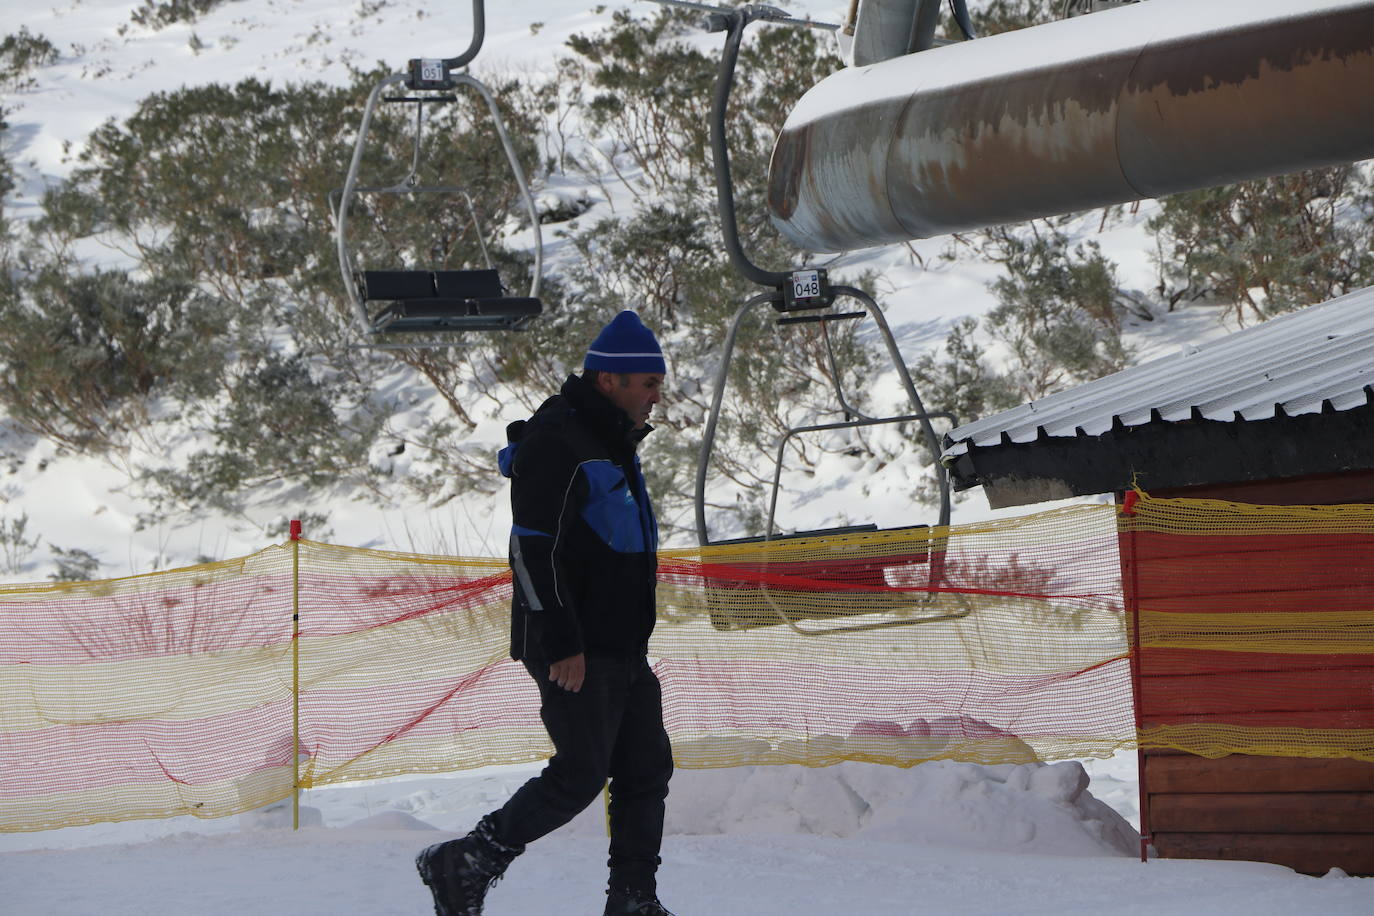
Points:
[1279,414]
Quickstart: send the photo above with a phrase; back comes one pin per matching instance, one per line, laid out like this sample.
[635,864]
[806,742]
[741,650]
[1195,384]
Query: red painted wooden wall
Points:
[1311,814]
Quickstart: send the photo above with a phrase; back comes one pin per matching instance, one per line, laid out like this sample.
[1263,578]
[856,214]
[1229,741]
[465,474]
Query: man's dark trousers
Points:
[612,727]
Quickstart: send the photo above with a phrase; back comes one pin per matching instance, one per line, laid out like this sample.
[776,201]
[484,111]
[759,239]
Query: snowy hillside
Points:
[106,63]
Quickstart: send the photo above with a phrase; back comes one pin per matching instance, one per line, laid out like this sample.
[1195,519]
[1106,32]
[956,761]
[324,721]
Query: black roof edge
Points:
[1161,455]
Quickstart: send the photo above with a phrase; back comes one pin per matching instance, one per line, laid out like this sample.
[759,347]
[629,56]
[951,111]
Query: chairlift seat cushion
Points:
[445,300]
[509,314]
[509,307]
[512,307]
[865,579]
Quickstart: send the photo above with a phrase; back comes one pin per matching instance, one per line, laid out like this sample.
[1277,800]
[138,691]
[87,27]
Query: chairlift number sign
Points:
[806,284]
[432,70]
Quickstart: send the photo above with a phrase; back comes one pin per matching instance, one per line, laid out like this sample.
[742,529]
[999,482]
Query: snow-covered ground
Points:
[940,838]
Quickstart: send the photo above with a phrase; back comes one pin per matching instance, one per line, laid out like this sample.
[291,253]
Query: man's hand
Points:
[570,672]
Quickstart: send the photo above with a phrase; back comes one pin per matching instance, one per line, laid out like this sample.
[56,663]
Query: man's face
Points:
[636,393]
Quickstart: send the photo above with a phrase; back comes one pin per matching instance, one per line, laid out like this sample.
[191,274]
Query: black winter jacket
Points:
[584,541]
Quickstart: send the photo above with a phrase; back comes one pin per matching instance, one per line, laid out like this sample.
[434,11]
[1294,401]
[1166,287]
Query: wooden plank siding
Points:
[1310,814]
[1312,854]
[1237,773]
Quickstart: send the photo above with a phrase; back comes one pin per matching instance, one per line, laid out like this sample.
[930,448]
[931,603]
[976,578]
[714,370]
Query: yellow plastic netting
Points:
[185,691]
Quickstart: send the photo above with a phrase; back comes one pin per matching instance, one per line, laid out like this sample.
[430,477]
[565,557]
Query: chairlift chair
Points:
[870,583]
[427,306]
[806,296]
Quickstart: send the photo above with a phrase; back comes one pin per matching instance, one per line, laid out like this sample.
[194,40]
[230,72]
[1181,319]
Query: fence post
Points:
[295,674]
[1130,585]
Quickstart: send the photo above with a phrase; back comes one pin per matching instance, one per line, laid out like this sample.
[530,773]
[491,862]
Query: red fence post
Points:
[1130,592]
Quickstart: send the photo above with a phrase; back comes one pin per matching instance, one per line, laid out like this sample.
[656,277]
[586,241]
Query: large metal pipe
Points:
[1138,102]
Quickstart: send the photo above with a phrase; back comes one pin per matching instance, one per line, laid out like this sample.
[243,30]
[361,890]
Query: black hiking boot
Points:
[460,872]
[625,901]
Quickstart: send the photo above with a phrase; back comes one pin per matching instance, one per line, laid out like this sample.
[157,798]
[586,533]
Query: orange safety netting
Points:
[186,692]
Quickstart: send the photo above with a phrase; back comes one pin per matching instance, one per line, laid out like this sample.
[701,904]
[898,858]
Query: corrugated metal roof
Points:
[1293,364]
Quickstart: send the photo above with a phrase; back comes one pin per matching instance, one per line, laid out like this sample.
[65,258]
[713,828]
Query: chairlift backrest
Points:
[468,284]
[394,285]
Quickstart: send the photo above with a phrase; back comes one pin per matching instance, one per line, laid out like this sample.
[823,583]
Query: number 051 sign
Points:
[429,73]
[432,70]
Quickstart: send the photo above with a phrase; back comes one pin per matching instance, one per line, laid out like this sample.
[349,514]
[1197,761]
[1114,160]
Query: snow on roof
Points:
[1294,364]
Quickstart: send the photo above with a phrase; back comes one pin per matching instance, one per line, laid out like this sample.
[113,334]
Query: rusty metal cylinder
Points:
[1139,102]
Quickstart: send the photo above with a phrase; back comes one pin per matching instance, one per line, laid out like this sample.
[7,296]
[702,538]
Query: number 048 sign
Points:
[806,284]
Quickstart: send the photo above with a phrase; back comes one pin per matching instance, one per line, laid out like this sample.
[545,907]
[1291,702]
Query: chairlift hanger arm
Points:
[351,186]
[960,10]
[734,21]
[800,290]
[479,32]
[436,73]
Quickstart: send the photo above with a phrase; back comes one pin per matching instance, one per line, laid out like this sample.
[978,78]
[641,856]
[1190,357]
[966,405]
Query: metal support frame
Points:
[734,21]
[824,427]
[919,414]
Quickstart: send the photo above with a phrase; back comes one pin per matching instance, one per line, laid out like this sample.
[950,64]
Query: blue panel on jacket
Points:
[611,510]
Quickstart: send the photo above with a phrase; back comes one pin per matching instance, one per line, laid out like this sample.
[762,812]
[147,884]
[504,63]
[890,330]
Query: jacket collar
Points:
[601,414]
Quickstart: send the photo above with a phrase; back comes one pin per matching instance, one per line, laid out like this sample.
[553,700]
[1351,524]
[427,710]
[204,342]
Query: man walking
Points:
[583,560]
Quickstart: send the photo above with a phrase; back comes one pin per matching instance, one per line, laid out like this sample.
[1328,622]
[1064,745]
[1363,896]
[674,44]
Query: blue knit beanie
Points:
[625,345]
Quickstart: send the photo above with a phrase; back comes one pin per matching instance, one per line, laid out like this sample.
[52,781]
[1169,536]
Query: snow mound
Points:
[1031,808]
[277,816]
[391,820]
[1037,807]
